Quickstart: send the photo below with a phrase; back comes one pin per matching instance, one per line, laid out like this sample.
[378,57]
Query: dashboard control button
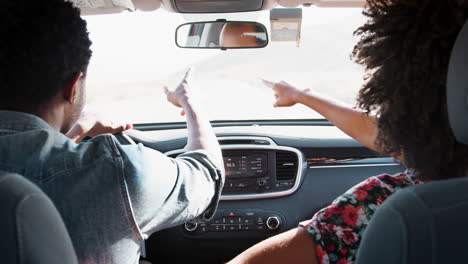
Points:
[217,228]
[261,182]
[247,220]
[190,226]
[242,185]
[249,214]
[236,221]
[273,222]
[247,227]
[203,228]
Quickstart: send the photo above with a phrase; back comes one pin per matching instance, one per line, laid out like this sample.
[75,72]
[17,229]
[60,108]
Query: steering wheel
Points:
[132,137]
[124,139]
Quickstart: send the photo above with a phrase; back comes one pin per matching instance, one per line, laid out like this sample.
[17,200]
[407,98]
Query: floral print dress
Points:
[338,228]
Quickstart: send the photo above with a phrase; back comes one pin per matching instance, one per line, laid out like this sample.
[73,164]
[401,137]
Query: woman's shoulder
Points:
[338,227]
[361,201]
[375,189]
[367,196]
[364,198]
[400,179]
[389,182]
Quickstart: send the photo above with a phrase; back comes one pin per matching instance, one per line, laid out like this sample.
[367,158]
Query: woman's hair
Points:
[405,47]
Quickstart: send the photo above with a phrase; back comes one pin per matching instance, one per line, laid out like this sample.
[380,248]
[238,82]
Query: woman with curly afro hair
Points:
[405,47]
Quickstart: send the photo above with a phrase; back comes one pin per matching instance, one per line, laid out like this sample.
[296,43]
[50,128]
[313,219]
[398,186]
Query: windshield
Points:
[134,56]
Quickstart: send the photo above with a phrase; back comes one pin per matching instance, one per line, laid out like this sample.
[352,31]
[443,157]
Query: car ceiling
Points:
[97,7]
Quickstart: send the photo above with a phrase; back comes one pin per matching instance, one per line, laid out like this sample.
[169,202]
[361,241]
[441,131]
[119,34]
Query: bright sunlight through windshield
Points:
[134,55]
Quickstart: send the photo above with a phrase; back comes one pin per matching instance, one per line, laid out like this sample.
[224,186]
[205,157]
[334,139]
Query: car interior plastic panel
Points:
[457,87]
[226,6]
[100,7]
[216,6]
[31,227]
[322,3]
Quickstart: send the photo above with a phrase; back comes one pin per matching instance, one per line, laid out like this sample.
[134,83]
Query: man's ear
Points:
[71,90]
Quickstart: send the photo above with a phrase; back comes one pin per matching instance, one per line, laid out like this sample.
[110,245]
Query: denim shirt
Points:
[110,196]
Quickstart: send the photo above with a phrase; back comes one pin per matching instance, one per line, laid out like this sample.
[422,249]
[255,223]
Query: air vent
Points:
[286,165]
[244,142]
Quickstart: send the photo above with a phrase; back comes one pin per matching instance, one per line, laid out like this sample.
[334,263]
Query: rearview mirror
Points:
[222,35]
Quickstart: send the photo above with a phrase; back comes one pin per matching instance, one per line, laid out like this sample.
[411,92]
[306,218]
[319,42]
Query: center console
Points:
[256,221]
[256,168]
[259,173]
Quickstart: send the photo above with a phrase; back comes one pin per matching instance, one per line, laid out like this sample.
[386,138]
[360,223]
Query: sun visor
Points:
[322,3]
[286,24]
[147,5]
[216,6]
[100,7]
[97,7]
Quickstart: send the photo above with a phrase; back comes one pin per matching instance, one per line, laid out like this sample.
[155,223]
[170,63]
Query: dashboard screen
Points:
[245,165]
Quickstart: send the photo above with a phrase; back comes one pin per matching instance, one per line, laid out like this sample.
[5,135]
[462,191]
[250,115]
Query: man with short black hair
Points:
[111,196]
[238,34]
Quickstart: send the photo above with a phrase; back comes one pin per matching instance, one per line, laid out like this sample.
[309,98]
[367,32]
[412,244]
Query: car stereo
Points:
[249,222]
[258,170]
[246,165]
[250,171]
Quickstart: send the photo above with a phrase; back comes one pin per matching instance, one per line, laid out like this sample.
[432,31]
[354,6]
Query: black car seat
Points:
[427,223]
[31,229]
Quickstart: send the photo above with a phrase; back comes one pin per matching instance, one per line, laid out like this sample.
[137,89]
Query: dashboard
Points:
[276,177]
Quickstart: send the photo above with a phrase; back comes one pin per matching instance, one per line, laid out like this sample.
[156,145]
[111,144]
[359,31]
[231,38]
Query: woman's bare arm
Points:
[293,247]
[351,121]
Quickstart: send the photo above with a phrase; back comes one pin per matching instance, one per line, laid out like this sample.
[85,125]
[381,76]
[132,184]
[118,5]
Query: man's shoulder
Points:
[56,144]
[105,144]
[43,154]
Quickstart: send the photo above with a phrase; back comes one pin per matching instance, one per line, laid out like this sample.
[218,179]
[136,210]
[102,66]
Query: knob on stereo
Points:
[273,222]
[261,182]
[190,226]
